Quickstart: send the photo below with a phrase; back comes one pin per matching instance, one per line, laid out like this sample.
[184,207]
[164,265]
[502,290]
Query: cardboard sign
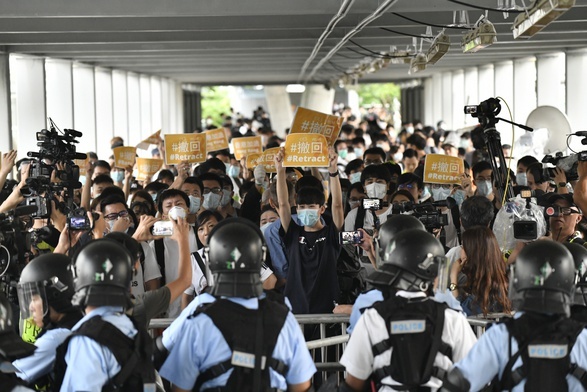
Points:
[147,167]
[82,166]
[268,159]
[311,121]
[124,156]
[244,146]
[306,149]
[443,169]
[253,160]
[153,139]
[216,140]
[188,147]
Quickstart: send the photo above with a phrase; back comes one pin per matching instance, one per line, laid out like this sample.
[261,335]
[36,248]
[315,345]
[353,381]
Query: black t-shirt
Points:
[312,283]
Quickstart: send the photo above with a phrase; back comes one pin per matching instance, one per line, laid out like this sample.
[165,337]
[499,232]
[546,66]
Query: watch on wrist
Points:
[333,174]
[452,286]
[562,184]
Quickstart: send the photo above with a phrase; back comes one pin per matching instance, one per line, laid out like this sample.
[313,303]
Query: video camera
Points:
[569,163]
[486,109]
[428,213]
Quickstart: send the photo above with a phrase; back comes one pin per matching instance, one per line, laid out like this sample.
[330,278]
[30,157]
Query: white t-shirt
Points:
[151,271]
[349,221]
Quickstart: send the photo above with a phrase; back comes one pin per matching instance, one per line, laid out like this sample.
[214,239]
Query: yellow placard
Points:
[124,156]
[268,159]
[81,163]
[443,169]
[311,121]
[147,167]
[306,149]
[253,160]
[188,147]
[244,146]
[153,139]
[216,140]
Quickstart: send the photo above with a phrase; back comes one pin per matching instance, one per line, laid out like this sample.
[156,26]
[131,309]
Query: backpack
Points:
[545,353]
[351,275]
[415,334]
[133,355]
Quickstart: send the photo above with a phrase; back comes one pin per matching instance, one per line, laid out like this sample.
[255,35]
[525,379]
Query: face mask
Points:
[521,179]
[440,194]
[376,191]
[355,177]
[343,153]
[484,188]
[354,203]
[398,157]
[233,171]
[211,201]
[426,193]
[459,196]
[264,227]
[225,198]
[228,165]
[358,152]
[308,217]
[111,225]
[464,143]
[154,196]
[117,176]
[410,130]
[195,204]
[176,212]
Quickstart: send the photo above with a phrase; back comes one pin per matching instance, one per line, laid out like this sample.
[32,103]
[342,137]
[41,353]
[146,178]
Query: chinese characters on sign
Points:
[310,121]
[186,147]
[269,160]
[244,146]
[216,140]
[306,149]
[124,156]
[147,167]
[443,169]
[253,160]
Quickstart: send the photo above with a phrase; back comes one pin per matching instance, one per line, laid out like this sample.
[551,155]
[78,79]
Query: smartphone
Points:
[351,237]
[162,228]
[371,204]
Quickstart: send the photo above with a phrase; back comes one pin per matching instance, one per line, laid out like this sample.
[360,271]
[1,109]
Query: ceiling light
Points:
[418,63]
[481,37]
[295,88]
[438,48]
[542,13]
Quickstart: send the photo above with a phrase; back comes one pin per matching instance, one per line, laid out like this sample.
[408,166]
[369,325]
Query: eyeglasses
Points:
[116,215]
[373,162]
[406,186]
[443,186]
[568,211]
[213,190]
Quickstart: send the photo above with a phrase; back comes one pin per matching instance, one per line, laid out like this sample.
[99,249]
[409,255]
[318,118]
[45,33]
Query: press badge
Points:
[408,326]
[247,360]
[548,351]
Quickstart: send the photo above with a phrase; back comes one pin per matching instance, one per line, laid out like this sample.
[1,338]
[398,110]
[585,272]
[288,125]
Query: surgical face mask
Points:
[117,176]
[410,130]
[397,157]
[484,188]
[358,152]
[426,193]
[355,177]
[176,212]
[376,191]
[264,227]
[464,143]
[521,179]
[225,198]
[228,165]
[212,201]
[343,153]
[350,156]
[195,204]
[154,196]
[308,217]
[233,171]
[459,196]
[440,194]
[354,203]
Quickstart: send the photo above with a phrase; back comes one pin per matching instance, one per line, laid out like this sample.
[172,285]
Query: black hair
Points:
[347,129]
[310,195]
[156,187]
[113,191]
[92,155]
[210,177]
[353,165]
[410,178]
[476,211]
[375,171]
[204,217]
[273,191]
[267,207]
[211,163]
[356,186]
[226,181]
[375,151]
[149,200]
[168,193]
[165,174]
[225,152]
[393,168]
[527,160]
[410,153]
[195,181]
[358,140]
[482,166]
[103,179]
[338,142]
[245,188]
[104,164]
[111,199]
[537,172]
[402,192]
[309,181]
[417,141]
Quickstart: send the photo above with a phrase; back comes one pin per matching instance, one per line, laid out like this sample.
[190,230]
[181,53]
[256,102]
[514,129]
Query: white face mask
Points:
[355,177]
[195,204]
[440,194]
[484,188]
[176,212]
[397,157]
[521,179]
[354,203]
[376,191]
[264,227]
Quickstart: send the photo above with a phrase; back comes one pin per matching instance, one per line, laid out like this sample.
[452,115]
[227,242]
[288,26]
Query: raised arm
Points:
[335,190]
[282,195]
[87,188]
[181,230]
[580,194]
[7,165]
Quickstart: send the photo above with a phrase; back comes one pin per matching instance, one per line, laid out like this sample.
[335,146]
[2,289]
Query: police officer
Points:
[106,347]
[408,340]
[11,348]
[548,350]
[241,339]
[45,290]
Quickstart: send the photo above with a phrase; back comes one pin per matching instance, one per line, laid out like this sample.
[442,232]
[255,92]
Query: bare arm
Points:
[302,387]
[87,188]
[335,190]
[152,284]
[282,195]
[580,195]
[15,197]
[183,172]
[127,180]
[181,231]
[185,300]
[7,165]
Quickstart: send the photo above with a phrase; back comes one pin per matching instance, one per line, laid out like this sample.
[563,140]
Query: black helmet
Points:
[411,261]
[235,252]
[47,281]
[393,225]
[579,253]
[103,274]
[12,347]
[545,277]
[132,245]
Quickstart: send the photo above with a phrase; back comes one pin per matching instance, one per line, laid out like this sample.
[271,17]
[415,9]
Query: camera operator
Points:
[563,224]
[6,166]
[15,198]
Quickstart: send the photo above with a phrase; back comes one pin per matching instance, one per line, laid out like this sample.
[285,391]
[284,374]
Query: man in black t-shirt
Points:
[312,250]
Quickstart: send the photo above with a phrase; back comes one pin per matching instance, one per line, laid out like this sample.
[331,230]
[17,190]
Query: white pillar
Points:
[134,109]
[5,106]
[353,99]
[279,108]
[524,89]
[317,97]
[437,113]
[165,105]
[486,83]
[576,97]
[446,99]
[428,117]
[178,109]
[59,87]
[120,105]
[156,104]
[551,81]
[471,86]
[145,91]
[504,88]
[84,107]
[458,99]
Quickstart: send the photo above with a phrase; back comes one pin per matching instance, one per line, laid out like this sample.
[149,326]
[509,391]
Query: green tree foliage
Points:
[215,100]
[378,94]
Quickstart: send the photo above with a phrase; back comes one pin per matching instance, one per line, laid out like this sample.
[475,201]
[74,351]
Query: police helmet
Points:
[132,245]
[46,281]
[411,261]
[545,277]
[393,225]
[235,252]
[12,347]
[579,253]
[103,273]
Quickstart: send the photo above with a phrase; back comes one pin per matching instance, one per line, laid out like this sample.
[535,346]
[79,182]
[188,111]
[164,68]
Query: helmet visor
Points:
[33,302]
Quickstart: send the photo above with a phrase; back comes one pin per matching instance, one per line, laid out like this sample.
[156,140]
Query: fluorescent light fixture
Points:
[258,87]
[481,37]
[542,13]
[418,63]
[295,88]
[438,48]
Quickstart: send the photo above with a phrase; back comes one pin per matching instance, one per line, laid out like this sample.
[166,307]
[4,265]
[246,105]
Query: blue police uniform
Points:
[490,355]
[90,365]
[196,345]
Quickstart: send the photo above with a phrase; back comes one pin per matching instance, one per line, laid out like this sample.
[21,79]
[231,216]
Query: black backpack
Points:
[351,275]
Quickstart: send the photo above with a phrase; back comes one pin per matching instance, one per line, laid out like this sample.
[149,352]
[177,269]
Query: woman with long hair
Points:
[479,279]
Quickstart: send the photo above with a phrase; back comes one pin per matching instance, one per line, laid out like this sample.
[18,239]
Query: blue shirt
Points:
[490,355]
[93,365]
[197,344]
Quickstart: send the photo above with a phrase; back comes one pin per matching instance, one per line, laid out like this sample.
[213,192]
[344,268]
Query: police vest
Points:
[415,334]
[544,344]
[250,334]
[133,355]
